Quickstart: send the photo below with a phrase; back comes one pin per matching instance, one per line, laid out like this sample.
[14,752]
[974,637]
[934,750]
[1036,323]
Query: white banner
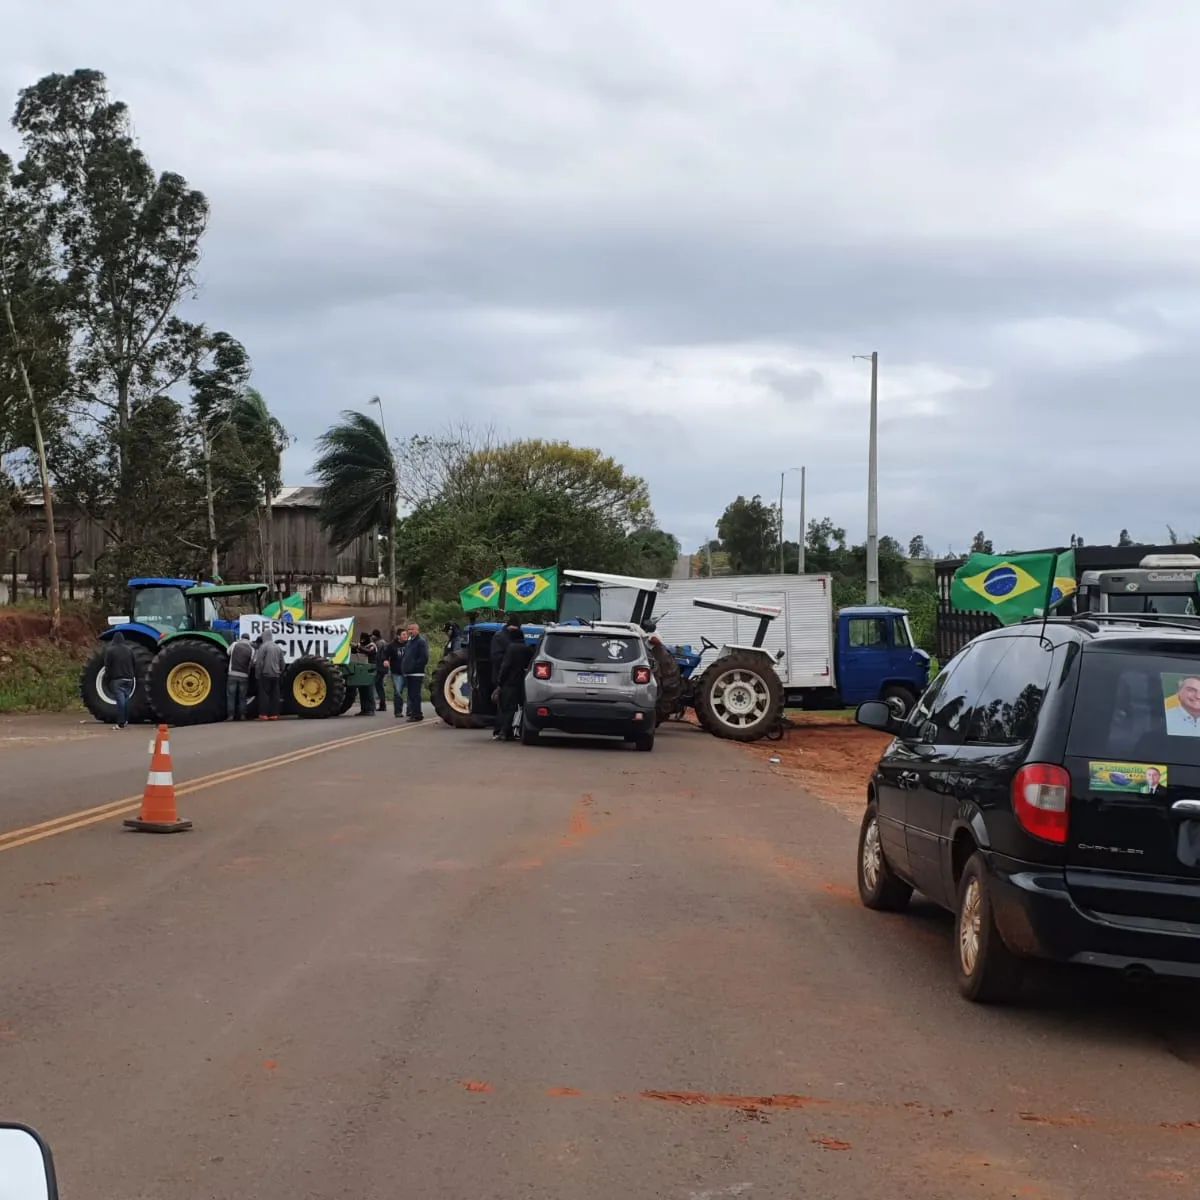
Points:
[326,639]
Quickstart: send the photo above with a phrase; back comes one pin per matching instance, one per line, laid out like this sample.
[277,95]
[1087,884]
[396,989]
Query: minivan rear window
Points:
[593,647]
[1138,706]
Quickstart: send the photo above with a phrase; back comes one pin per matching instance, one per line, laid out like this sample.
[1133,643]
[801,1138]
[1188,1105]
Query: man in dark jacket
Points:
[380,669]
[394,662]
[365,654]
[119,676]
[516,662]
[241,658]
[501,640]
[268,667]
[412,666]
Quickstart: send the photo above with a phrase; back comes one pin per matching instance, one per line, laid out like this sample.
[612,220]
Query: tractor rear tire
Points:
[347,703]
[186,682]
[97,699]
[313,688]
[740,696]
[670,681]
[449,692]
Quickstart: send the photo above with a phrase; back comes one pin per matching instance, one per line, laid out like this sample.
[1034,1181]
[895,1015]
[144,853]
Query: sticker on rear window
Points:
[1181,704]
[1139,779]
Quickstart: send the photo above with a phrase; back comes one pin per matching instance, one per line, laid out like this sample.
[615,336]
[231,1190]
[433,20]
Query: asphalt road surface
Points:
[421,965]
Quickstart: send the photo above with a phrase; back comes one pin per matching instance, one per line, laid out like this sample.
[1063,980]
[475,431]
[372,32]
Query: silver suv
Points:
[591,679]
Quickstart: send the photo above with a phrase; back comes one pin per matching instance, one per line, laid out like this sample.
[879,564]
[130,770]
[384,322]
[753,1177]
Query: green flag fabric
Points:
[483,594]
[527,590]
[1013,587]
[516,589]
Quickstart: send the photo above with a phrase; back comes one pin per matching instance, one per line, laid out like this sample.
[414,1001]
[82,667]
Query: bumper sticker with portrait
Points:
[1138,779]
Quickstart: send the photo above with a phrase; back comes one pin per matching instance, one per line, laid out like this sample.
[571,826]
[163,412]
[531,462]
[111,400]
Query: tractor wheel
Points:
[450,692]
[348,702]
[98,700]
[670,681]
[186,682]
[314,688]
[740,697]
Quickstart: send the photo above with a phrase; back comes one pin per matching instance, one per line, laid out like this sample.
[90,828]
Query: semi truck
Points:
[824,660]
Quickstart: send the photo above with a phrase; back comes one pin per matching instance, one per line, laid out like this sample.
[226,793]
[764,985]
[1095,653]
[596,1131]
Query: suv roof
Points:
[1089,627]
[612,628]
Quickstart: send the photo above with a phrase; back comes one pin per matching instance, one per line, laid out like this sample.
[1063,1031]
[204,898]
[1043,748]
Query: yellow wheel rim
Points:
[309,689]
[189,684]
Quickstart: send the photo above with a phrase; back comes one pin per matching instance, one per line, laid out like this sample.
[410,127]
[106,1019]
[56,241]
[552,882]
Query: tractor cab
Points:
[218,606]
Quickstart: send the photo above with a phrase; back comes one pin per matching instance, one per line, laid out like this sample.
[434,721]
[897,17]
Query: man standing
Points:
[241,658]
[501,640]
[394,661]
[512,686]
[380,669]
[413,663]
[268,666]
[365,654]
[118,675]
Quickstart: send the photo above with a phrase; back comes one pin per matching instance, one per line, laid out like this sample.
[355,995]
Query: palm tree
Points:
[263,440]
[358,487]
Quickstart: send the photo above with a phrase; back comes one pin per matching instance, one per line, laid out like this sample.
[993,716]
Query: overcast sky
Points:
[662,228]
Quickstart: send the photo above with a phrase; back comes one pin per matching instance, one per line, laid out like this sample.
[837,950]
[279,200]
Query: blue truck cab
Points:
[875,658]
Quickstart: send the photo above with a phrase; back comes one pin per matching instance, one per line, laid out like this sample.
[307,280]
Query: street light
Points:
[873,484]
[803,528]
[782,476]
[382,425]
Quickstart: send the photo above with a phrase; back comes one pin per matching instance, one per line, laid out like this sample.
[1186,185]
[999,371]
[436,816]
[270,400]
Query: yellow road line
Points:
[102,812]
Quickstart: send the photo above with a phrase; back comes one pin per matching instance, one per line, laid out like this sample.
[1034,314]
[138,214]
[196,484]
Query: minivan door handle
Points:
[1186,808]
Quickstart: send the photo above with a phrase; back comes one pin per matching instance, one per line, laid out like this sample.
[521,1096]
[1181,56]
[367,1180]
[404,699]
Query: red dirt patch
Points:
[747,1103]
[832,759]
[477,1085]
[19,625]
[830,1143]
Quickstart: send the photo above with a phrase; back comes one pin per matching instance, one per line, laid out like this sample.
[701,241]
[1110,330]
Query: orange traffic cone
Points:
[159,814]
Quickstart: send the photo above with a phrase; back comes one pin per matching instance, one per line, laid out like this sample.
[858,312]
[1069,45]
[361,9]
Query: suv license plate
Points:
[584,678]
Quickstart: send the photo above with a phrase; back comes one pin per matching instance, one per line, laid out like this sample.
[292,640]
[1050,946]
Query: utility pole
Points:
[803,529]
[873,485]
[782,475]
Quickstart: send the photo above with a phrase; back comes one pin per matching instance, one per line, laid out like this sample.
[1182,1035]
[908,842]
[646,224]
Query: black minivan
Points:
[1046,789]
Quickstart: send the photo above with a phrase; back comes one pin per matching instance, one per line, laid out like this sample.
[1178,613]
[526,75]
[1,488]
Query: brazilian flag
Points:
[293,606]
[526,590]
[484,594]
[1013,587]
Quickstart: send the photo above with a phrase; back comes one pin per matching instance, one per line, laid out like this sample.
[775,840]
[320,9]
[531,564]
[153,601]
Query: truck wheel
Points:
[740,696]
[670,681]
[450,692]
[98,699]
[314,688]
[899,698]
[186,683]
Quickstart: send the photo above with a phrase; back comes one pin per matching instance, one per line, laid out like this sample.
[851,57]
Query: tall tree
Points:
[652,552]
[1124,539]
[34,339]
[129,238]
[359,487]
[749,533]
[981,544]
[262,440]
[917,547]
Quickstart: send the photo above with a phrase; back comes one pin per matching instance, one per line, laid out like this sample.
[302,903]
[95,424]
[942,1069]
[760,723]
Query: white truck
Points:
[823,661]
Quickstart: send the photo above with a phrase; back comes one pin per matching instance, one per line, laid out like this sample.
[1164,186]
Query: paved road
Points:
[422,965]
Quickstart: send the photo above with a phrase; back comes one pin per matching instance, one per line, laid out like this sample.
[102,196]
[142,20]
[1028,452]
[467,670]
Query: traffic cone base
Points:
[159,814]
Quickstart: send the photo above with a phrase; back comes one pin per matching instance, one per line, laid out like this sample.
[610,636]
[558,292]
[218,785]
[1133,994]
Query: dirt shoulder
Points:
[831,758]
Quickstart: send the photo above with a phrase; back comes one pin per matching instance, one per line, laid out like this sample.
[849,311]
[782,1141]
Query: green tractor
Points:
[179,632]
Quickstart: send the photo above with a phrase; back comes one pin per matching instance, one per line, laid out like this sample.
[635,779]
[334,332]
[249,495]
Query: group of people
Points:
[266,659]
[510,657]
[406,658]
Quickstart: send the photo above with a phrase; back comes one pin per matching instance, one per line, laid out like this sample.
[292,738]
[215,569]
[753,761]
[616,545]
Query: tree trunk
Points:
[44,472]
[392,576]
[269,527]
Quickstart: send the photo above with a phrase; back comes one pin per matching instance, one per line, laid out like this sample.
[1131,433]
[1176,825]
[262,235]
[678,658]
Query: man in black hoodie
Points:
[516,662]
[119,676]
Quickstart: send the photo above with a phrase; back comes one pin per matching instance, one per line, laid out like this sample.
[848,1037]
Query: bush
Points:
[40,676]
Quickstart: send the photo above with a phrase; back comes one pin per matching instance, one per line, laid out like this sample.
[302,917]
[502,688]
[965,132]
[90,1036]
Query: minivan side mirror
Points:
[26,1168]
[877,714]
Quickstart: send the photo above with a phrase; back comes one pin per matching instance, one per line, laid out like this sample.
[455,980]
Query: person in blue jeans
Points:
[393,661]
[119,676]
[413,663]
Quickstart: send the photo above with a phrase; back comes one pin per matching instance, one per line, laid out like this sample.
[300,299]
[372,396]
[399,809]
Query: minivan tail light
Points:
[641,674]
[541,670]
[1042,801]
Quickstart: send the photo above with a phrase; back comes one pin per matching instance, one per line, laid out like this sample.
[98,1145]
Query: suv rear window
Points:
[1137,705]
[593,647]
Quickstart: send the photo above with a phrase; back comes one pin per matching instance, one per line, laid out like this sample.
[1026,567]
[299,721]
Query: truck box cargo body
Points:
[804,629]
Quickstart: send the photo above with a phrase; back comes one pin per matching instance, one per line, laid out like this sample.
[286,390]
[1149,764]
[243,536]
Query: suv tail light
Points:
[1041,795]
[541,670]
[641,674]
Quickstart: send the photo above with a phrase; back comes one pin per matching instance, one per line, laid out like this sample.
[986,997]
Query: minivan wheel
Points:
[988,972]
[878,887]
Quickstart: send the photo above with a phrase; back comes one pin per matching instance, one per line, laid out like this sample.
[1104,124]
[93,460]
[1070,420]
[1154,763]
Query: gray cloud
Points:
[664,231]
